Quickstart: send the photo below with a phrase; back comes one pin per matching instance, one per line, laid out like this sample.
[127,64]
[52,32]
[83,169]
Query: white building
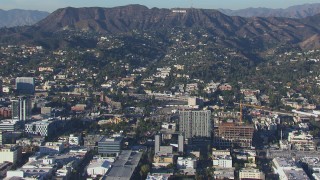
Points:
[10,125]
[283,163]
[74,140]
[250,173]
[185,163]
[42,128]
[163,72]
[99,167]
[224,173]
[297,173]
[316,176]
[16,174]
[9,154]
[222,161]
[63,173]
[157,177]
[211,87]
[301,141]
[220,152]
[52,148]
[5,89]
[33,170]
[170,126]
[313,164]
[287,169]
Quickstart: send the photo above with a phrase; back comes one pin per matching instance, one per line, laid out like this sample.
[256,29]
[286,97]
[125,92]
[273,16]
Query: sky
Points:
[52,5]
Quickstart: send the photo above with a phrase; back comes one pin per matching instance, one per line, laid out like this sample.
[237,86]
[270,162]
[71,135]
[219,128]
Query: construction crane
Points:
[248,105]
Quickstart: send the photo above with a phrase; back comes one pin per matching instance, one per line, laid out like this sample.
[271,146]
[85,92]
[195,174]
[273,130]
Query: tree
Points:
[210,172]
[144,170]
[170,166]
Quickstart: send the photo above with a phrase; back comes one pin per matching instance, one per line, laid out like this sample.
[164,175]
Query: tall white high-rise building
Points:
[0,138]
[21,108]
[195,123]
[180,143]
[25,85]
[157,143]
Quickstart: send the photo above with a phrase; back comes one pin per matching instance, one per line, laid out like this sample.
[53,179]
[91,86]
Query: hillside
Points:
[19,17]
[231,31]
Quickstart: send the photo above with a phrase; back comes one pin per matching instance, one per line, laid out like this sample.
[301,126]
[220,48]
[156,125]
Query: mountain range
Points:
[299,11]
[255,33]
[19,17]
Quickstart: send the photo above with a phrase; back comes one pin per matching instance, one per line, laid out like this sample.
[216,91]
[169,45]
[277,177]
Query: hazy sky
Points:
[51,5]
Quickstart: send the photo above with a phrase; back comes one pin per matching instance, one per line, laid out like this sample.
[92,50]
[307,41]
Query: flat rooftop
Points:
[311,161]
[124,166]
[106,139]
[285,162]
[9,121]
[294,174]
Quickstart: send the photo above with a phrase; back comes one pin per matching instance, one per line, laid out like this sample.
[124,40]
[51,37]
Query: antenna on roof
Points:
[191,3]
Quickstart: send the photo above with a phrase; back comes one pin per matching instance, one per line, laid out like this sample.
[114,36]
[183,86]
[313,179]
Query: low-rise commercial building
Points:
[224,173]
[10,125]
[159,174]
[222,161]
[187,165]
[316,176]
[184,163]
[313,164]
[125,165]
[287,169]
[91,141]
[4,167]
[107,146]
[99,167]
[52,148]
[43,128]
[301,141]
[250,173]
[74,140]
[220,152]
[162,160]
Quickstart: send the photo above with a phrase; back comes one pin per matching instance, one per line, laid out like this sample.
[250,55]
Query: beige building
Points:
[250,173]
[216,152]
[301,141]
[162,161]
[9,154]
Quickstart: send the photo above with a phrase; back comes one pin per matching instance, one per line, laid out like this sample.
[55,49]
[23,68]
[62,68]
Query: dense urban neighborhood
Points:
[175,103]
